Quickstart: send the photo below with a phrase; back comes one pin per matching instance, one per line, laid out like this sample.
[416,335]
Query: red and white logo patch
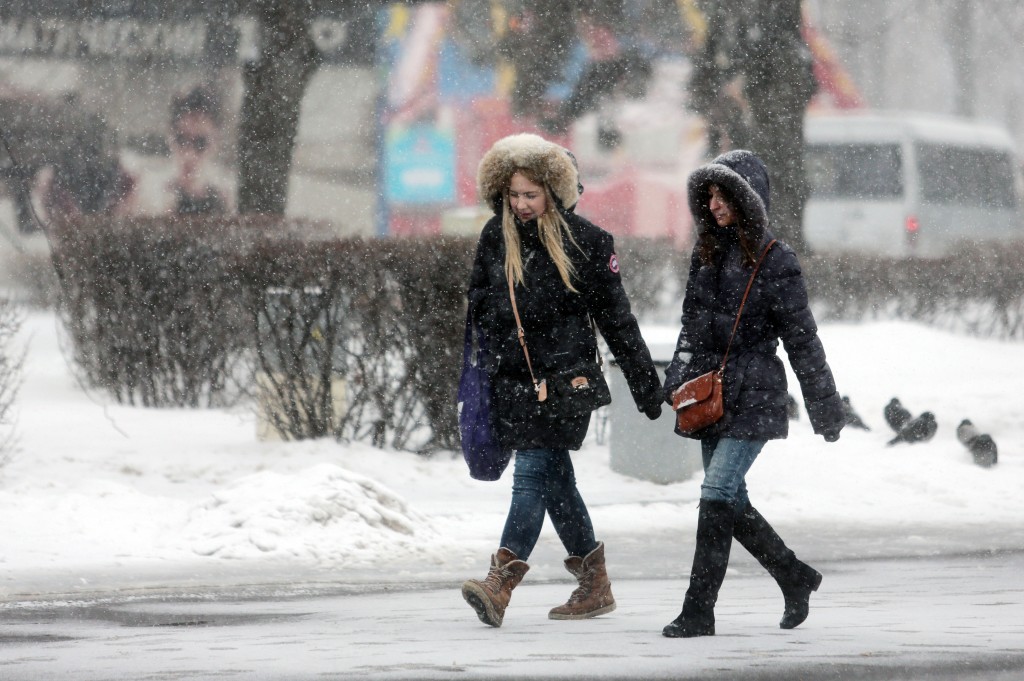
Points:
[613,263]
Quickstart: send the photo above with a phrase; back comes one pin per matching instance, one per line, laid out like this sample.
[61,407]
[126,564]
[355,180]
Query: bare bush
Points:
[360,339]
[10,372]
[978,291]
[152,307]
[383,406]
[32,273]
[379,321]
[297,302]
[431,276]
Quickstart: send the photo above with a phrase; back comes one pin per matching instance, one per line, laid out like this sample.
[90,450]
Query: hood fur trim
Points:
[744,176]
[549,162]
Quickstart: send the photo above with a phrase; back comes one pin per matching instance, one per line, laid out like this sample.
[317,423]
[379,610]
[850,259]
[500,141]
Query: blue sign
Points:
[419,165]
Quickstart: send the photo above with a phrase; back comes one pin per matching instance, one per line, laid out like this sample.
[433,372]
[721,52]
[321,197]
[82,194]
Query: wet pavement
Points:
[909,618]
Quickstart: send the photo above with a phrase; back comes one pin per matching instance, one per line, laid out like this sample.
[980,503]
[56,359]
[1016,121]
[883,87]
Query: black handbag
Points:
[570,393]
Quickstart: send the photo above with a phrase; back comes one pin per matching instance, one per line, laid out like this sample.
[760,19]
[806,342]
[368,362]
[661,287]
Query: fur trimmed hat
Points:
[548,162]
[743,175]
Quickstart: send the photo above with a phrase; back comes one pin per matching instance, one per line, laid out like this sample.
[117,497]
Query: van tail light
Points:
[911,228]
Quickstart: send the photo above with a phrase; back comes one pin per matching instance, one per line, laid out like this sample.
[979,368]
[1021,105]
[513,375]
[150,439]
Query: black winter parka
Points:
[754,384]
[557,326]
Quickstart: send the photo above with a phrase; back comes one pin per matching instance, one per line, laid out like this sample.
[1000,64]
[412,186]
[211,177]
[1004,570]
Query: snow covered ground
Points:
[142,543]
[100,497]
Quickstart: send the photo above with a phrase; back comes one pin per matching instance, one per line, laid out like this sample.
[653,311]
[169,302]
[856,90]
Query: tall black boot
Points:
[796,579]
[710,560]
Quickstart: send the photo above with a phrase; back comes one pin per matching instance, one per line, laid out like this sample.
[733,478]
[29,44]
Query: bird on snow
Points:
[896,415]
[966,431]
[920,429]
[852,419]
[984,451]
[981,445]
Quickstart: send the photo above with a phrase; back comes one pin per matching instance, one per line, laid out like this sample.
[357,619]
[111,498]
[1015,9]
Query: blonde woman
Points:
[565,273]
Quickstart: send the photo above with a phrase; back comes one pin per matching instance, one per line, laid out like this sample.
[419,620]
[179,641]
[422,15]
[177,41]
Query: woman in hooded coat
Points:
[729,199]
[566,279]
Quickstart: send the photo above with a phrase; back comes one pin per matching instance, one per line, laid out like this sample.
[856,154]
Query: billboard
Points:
[180,31]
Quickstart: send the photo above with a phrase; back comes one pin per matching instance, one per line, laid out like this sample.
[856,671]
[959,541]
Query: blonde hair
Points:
[550,228]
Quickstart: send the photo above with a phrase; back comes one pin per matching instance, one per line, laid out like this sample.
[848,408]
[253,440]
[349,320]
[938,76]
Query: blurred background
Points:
[371,116]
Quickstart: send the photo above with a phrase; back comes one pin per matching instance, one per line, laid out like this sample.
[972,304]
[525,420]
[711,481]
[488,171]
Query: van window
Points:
[966,176]
[856,171]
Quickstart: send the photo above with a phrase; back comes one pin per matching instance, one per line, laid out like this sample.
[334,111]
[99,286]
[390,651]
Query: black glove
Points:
[653,411]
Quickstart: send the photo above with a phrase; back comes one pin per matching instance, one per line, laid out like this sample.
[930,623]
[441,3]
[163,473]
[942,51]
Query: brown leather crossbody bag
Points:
[698,402]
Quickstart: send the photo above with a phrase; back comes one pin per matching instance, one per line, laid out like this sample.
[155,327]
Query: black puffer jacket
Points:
[557,324]
[754,386]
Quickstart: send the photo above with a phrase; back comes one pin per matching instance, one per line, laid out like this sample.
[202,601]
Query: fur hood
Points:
[552,164]
[740,173]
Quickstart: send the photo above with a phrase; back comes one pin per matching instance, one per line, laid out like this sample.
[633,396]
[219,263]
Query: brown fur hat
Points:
[550,163]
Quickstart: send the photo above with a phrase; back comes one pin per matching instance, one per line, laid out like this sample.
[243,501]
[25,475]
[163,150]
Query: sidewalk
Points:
[919,618]
[643,554]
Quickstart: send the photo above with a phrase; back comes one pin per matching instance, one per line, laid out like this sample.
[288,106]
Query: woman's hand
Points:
[653,411]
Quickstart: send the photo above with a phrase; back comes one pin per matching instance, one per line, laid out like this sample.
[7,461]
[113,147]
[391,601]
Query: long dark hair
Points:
[709,245]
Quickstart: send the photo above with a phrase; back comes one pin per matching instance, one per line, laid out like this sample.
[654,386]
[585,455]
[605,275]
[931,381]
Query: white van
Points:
[908,185]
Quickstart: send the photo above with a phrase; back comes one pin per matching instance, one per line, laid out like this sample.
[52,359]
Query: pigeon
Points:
[981,445]
[984,451]
[792,408]
[920,429]
[966,432]
[852,419]
[896,415]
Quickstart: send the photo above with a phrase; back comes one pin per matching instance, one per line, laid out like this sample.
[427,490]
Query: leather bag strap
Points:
[736,324]
[521,334]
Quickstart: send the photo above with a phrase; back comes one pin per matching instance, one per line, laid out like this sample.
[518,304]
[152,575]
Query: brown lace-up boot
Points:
[490,597]
[593,596]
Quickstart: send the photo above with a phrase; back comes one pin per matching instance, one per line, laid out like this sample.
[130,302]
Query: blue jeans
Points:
[544,481]
[726,462]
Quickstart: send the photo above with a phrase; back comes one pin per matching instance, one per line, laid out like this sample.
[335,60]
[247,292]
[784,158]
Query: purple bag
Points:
[486,459]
